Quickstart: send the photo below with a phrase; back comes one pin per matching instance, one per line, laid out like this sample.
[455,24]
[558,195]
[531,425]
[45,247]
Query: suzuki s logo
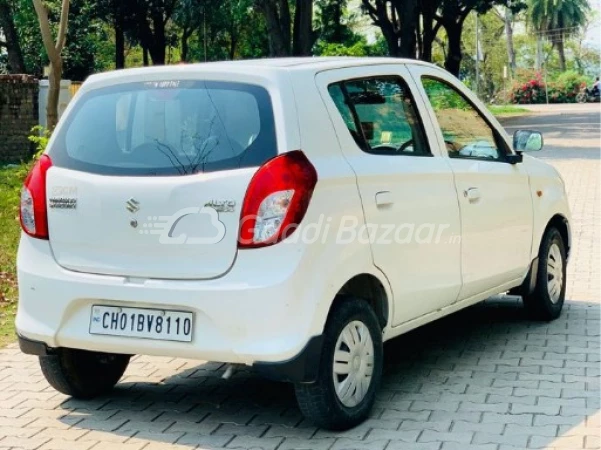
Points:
[132,205]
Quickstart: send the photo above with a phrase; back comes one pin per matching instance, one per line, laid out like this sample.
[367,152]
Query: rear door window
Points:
[381,116]
[168,128]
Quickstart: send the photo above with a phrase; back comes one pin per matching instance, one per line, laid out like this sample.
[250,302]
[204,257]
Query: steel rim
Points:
[554,273]
[353,363]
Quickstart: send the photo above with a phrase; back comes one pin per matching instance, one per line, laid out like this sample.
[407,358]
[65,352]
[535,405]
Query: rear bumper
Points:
[31,347]
[250,316]
[303,368]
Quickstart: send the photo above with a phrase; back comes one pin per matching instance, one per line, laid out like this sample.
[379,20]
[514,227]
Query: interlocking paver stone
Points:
[483,379]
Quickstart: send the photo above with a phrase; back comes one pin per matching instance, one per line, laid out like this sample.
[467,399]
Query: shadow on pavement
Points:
[486,374]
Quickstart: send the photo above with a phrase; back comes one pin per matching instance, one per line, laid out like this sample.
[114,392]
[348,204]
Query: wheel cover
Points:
[554,273]
[353,363]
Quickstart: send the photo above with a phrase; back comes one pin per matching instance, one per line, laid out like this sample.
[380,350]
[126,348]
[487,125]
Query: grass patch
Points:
[507,110]
[11,180]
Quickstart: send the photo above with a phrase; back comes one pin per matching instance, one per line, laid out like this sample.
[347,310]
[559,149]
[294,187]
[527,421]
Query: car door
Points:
[494,194]
[406,186]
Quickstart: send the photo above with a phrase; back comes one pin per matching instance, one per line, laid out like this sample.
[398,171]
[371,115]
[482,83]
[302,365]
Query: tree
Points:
[152,17]
[54,50]
[278,17]
[558,19]
[16,63]
[452,17]
[398,21]
[508,23]
[119,15]
[507,16]
[189,16]
[333,18]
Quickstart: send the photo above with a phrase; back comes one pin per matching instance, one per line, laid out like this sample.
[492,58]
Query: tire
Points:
[319,401]
[581,98]
[82,374]
[546,301]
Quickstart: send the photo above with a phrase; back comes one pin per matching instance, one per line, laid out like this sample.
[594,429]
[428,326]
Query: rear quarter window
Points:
[167,128]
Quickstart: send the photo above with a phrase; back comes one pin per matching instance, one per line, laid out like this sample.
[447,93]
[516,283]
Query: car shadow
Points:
[487,368]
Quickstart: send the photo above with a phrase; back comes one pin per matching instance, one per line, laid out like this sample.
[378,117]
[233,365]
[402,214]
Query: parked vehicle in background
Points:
[587,95]
[290,215]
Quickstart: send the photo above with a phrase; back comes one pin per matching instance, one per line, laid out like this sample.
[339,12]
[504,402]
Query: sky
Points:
[593,37]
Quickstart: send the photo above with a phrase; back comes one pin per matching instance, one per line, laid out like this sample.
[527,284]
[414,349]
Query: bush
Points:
[563,89]
[529,92]
[566,87]
[39,136]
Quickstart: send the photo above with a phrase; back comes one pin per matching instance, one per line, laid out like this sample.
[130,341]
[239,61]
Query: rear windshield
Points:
[167,128]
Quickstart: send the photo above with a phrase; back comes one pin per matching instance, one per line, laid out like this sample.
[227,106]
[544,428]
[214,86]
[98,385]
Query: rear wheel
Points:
[546,301]
[350,368]
[83,374]
[581,97]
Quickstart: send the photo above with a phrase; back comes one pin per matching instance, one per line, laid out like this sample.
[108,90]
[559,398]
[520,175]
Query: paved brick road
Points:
[483,379]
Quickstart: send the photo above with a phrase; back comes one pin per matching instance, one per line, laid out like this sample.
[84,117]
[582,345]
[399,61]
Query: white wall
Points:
[63,99]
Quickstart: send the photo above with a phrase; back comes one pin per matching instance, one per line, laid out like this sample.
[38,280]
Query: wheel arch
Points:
[368,287]
[562,225]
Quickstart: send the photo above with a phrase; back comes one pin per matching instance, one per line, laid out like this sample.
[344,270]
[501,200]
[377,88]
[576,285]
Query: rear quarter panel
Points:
[334,257]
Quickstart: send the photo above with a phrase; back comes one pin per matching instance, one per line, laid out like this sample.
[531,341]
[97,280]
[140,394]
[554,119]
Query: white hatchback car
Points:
[289,215]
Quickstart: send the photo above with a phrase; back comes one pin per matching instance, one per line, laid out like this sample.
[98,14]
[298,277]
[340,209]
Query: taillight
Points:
[276,200]
[33,214]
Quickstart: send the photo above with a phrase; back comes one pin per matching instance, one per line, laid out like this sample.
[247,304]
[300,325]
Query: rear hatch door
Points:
[148,178]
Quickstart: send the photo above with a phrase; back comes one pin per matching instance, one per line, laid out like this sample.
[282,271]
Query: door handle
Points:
[384,198]
[472,194]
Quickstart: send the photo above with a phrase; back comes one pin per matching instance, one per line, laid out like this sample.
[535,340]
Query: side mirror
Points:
[527,141]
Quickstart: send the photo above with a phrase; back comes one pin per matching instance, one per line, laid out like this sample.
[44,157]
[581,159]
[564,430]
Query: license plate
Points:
[159,324]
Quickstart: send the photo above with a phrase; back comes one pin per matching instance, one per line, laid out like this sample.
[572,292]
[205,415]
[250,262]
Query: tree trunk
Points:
[285,24]
[184,41]
[427,34]
[54,87]
[539,53]
[233,42]
[16,63]
[454,55]
[278,45]
[158,40]
[119,41]
[303,28]
[562,53]
[408,18]
[509,37]
[337,35]
[145,60]
[54,51]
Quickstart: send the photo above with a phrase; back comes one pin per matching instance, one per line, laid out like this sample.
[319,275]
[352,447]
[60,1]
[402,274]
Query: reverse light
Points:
[276,200]
[33,214]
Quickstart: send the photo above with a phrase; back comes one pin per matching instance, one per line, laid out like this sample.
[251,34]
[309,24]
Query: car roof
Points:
[310,65]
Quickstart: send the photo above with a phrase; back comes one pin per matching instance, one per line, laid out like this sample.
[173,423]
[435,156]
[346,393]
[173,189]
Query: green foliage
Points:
[359,48]
[442,97]
[40,137]
[566,87]
[561,89]
[558,18]
[11,180]
[507,110]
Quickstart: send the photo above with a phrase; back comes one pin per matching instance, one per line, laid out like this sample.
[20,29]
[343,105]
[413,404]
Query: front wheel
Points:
[83,374]
[546,301]
[350,368]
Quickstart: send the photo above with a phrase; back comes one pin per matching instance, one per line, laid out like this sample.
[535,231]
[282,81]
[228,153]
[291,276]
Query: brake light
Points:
[33,213]
[276,200]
